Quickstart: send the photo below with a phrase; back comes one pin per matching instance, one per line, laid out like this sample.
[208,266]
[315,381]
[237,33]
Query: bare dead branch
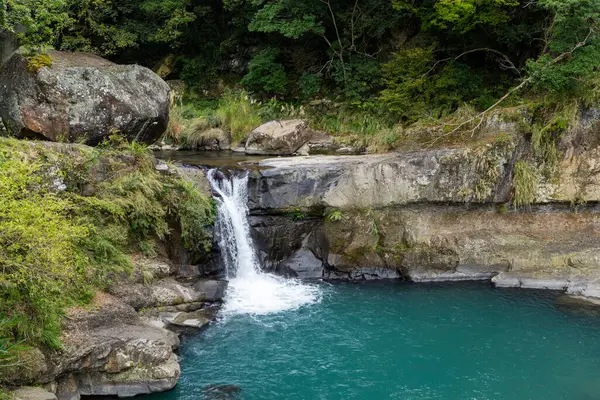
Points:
[509,64]
[337,33]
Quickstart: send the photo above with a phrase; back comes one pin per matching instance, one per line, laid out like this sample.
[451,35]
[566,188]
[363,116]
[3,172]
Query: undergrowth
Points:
[69,218]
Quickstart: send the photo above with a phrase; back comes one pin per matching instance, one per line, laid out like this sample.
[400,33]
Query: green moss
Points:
[296,214]
[6,394]
[37,62]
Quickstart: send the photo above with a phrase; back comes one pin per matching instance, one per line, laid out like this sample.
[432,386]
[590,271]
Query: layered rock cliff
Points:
[485,210]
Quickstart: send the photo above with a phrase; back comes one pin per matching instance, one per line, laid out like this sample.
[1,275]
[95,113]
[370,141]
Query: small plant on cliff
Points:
[546,135]
[335,215]
[296,214]
[525,181]
[9,350]
[37,62]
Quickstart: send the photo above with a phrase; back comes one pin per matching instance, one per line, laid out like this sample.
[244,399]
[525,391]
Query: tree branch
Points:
[481,116]
[504,57]
[337,33]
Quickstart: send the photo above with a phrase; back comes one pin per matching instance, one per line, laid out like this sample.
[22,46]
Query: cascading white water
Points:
[250,290]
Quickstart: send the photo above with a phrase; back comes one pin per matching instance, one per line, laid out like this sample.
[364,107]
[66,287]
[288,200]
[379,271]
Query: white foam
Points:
[250,290]
[268,294]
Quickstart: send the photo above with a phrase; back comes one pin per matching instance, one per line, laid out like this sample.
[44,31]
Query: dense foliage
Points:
[411,58]
[70,217]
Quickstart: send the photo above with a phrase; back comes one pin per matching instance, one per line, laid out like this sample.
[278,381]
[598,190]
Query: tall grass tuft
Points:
[238,114]
[525,181]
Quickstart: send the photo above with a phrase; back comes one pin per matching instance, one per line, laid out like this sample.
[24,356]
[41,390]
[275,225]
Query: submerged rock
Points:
[221,392]
[32,393]
[80,97]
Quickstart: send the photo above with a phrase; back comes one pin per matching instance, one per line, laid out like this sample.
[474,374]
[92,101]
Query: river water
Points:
[400,341]
[287,339]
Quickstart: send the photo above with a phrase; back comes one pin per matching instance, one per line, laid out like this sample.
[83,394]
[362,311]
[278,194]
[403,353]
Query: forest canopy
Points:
[404,57]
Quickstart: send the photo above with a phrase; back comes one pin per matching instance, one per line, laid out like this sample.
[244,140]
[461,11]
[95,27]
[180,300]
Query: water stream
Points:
[250,290]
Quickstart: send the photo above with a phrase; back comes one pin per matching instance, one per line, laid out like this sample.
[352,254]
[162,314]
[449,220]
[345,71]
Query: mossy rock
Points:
[37,62]
[31,368]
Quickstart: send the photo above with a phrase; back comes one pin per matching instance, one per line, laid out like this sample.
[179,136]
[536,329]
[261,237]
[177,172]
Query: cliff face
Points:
[444,214]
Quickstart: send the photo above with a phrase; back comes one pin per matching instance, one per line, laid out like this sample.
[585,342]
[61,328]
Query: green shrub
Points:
[416,87]
[335,215]
[9,350]
[265,75]
[57,245]
[37,62]
[309,85]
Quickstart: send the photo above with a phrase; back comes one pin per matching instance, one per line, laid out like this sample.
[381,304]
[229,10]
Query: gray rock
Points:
[279,137]
[32,393]
[34,368]
[132,382]
[213,139]
[109,350]
[188,271]
[525,281]
[166,292]
[363,273]
[377,180]
[304,264]
[589,289]
[213,290]
[162,167]
[196,319]
[82,97]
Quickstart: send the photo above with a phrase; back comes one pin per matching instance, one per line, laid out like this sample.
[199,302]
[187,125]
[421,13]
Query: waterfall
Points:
[250,290]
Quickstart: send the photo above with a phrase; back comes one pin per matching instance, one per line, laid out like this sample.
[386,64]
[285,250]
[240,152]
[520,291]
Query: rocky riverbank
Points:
[120,336]
[437,215]
[125,342]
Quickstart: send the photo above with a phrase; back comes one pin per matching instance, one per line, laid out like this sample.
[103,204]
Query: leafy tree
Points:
[459,15]
[108,27]
[34,22]
[570,60]
[290,18]
[265,74]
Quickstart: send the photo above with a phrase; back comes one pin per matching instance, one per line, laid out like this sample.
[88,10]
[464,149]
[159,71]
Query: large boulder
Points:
[79,97]
[279,138]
